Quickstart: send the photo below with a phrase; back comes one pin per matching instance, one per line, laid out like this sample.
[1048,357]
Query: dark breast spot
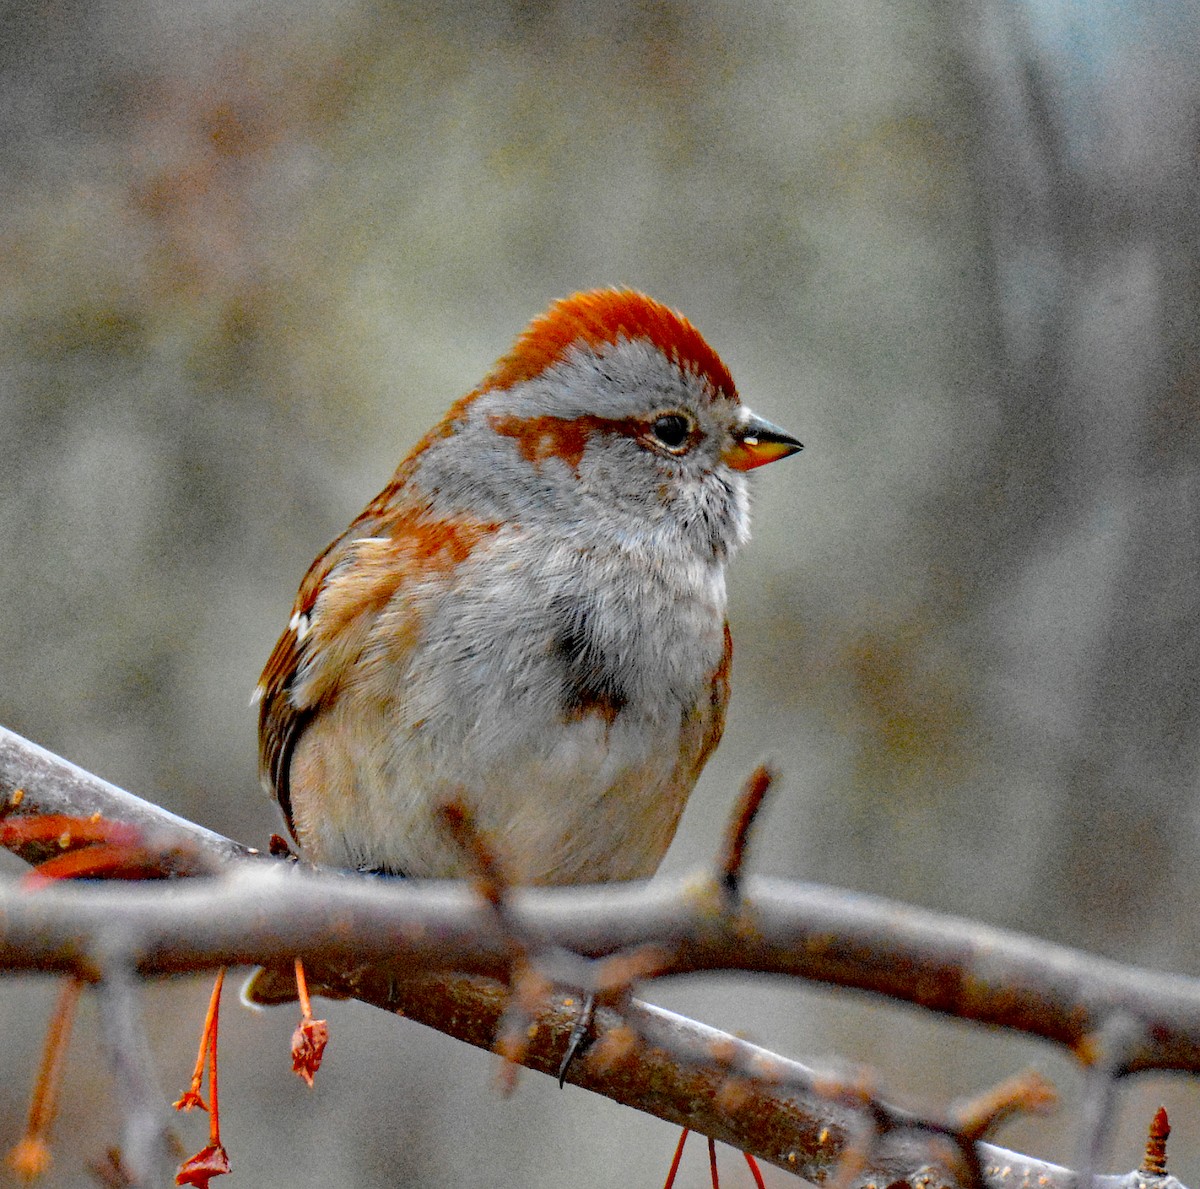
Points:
[590,681]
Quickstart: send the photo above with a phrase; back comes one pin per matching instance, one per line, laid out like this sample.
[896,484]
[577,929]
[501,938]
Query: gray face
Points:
[619,442]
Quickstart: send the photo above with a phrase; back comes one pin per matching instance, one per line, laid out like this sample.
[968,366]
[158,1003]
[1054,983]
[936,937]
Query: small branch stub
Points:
[732,857]
[490,879]
[1026,1093]
[1154,1164]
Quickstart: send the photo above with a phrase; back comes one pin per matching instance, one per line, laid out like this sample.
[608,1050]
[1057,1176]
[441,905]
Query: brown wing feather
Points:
[336,609]
[285,710]
[281,721]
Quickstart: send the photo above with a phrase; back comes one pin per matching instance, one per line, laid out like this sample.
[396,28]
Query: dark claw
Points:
[579,1033]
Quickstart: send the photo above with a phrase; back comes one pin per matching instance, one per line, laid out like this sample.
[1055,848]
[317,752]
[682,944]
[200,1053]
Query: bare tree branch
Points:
[269,914]
[438,953]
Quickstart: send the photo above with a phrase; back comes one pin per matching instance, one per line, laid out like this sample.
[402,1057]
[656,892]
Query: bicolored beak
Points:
[757,442]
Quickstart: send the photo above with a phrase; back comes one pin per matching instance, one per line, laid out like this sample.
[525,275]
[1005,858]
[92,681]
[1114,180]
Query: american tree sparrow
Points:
[530,615]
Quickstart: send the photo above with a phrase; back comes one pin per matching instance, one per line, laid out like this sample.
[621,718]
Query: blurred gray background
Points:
[250,251]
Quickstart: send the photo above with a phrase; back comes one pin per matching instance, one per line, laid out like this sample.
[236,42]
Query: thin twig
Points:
[752,1164]
[674,1169]
[147,1146]
[191,1098]
[1107,1054]
[1025,1093]
[31,1155]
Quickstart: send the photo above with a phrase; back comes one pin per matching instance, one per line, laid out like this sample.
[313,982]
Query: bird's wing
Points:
[394,543]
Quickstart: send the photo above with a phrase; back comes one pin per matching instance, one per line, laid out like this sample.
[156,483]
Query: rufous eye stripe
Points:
[601,318]
[539,438]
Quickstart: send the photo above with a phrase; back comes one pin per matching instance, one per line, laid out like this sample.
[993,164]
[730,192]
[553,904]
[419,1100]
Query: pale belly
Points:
[601,803]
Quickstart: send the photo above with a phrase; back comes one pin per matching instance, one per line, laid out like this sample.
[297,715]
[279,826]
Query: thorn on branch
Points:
[1154,1163]
[518,1026]
[490,880]
[579,1030]
[1025,1093]
[612,981]
[732,855]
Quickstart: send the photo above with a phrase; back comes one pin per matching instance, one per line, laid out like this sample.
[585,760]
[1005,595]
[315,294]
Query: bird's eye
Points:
[672,430]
